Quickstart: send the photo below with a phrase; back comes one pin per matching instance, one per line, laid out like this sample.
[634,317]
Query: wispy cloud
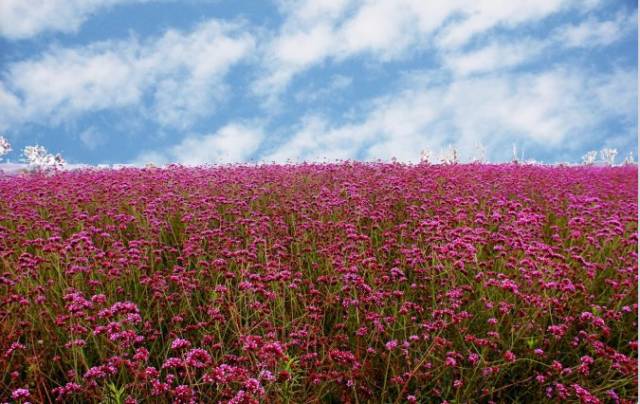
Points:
[505,52]
[597,32]
[494,56]
[20,19]
[10,109]
[479,17]
[182,73]
[321,91]
[92,138]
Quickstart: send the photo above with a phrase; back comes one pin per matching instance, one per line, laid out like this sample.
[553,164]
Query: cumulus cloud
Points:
[182,73]
[543,110]
[235,142]
[316,32]
[20,19]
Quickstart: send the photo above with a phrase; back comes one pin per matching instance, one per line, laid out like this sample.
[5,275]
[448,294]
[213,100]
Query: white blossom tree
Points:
[589,158]
[608,156]
[425,156]
[40,159]
[449,156]
[5,147]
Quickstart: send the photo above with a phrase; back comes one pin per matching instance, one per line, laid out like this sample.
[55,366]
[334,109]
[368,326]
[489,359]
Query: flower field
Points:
[330,283]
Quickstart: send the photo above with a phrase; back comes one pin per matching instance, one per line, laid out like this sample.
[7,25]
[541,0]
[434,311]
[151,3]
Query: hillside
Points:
[344,282]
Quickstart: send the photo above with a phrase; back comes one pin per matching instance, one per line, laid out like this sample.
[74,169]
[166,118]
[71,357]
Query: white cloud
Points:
[617,93]
[295,52]
[309,11]
[232,143]
[92,138]
[379,27]
[552,110]
[316,140]
[494,56]
[9,107]
[323,90]
[475,95]
[182,73]
[503,53]
[481,16]
[314,32]
[21,19]
[593,32]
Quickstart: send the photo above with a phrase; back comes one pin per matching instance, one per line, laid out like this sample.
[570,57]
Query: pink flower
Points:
[587,360]
[267,376]
[183,392]
[585,396]
[254,387]
[557,330]
[141,355]
[613,395]
[173,362]
[20,394]
[509,356]
[151,372]
[65,390]
[99,298]
[586,316]
[96,372]
[198,358]
[16,346]
[180,343]
[159,388]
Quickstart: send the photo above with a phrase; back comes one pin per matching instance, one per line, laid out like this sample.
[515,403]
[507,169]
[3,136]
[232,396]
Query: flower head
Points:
[20,394]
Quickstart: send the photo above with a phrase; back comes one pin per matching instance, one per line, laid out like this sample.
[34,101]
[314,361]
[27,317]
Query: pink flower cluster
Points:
[347,282]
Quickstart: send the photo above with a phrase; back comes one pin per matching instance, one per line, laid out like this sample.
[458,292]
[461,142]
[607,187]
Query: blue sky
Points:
[203,81]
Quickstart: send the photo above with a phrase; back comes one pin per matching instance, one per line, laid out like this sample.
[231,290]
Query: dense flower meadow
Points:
[347,282]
